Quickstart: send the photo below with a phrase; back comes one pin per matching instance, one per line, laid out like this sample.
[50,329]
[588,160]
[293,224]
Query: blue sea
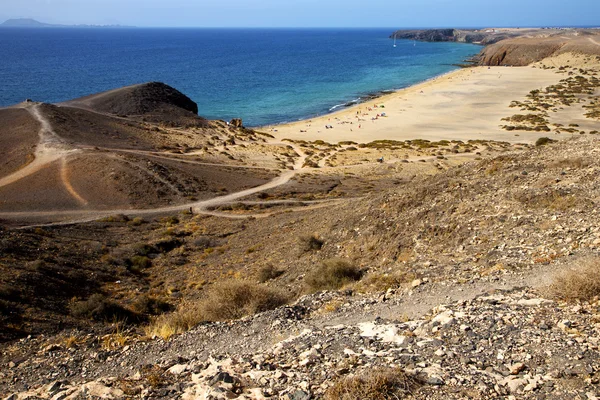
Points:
[264,76]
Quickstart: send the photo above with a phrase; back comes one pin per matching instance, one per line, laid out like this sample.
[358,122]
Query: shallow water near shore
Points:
[264,76]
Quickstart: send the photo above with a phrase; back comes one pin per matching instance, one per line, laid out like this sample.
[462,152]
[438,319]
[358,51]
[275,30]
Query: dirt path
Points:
[81,216]
[64,176]
[49,149]
[594,41]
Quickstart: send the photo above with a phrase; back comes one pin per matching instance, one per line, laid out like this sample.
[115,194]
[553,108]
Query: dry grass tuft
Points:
[226,300]
[236,299]
[380,384]
[332,274]
[176,323]
[581,283]
[379,282]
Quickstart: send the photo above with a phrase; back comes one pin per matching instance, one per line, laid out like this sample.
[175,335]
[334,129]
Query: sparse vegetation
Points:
[116,218]
[543,141]
[235,299]
[332,274]
[580,283]
[379,282]
[139,263]
[268,273]
[226,300]
[100,308]
[379,384]
[176,323]
[151,305]
[310,243]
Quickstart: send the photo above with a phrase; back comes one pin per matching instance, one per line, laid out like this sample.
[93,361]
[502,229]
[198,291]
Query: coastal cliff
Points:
[513,46]
[452,35]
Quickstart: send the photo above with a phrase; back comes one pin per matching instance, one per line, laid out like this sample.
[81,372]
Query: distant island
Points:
[32,23]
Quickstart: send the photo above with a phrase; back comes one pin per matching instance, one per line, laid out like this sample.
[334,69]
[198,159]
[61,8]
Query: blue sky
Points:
[307,13]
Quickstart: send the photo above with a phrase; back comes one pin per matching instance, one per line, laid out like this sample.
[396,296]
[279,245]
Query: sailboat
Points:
[394,40]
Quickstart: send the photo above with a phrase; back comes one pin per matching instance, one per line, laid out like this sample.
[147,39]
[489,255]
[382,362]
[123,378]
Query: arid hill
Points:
[152,101]
[88,154]
[527,49]
[146,256]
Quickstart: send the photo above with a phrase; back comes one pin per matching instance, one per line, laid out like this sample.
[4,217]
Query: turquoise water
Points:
[261,75]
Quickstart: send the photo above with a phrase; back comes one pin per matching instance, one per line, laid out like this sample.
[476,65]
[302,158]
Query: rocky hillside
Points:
[459,298]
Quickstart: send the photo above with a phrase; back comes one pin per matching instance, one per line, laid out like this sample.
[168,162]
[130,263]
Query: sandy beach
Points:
[461,105]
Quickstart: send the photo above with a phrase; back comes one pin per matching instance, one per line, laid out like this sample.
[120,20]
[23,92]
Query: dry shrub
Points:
[182,320]
[226,300]
[101,308]
[543,141]
[379,282]
[145,304]
[310,242]
[137,264]
[236,299]
[269,272]
[203,242]
[332,274]
[380,384]
[579,283]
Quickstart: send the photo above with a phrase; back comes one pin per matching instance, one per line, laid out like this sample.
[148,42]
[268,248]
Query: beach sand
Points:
[461,105]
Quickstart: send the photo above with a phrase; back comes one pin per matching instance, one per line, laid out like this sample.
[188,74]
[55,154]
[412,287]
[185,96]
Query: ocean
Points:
[263,76]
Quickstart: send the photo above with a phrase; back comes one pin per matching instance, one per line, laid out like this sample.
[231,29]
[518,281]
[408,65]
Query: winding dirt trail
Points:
[49,149]
[594,41]
[64,176]
[47,135]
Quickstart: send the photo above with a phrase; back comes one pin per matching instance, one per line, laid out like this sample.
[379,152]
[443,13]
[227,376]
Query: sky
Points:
[308,13]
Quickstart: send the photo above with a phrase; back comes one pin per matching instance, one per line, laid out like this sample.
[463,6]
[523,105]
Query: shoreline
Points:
[367,97]
[462,104]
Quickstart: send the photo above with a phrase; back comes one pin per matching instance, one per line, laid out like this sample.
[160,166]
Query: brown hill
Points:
[523,51]
[153,101]
[81,156]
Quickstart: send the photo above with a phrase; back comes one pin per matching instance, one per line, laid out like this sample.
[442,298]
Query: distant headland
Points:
[32,23]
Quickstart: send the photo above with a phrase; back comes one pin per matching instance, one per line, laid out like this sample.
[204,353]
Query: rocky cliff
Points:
[451,35]
[514,47]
